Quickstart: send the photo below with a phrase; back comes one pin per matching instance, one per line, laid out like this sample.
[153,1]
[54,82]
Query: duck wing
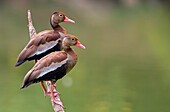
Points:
[41,70]
[38,45]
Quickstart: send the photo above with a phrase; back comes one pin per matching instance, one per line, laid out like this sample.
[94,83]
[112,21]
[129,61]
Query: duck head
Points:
[71,40]
[58,17]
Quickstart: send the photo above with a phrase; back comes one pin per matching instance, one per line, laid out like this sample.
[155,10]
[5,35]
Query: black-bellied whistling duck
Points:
[46,41]
[58,17]
[55,65]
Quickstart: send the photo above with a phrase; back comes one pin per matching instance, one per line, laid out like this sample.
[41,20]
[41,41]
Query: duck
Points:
[55,65]
[46,41]
[58,17]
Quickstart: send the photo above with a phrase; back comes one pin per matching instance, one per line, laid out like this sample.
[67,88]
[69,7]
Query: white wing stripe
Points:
[45,47]
[53,67]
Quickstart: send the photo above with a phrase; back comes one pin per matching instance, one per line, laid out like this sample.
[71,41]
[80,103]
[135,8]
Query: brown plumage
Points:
[52,58]
[55,65]
[58,17]
[46,41]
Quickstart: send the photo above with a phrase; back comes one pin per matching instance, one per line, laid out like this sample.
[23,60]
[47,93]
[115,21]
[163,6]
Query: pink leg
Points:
[43,88]
[53,97]
[35,61]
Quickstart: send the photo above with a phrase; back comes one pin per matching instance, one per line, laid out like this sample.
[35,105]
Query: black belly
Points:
[57,47]
[53,75]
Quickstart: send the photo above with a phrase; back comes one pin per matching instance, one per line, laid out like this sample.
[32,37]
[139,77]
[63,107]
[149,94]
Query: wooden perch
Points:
[32,30]
[58,107]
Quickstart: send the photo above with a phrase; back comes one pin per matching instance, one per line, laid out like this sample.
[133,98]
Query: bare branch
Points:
[58,107]
[32,30]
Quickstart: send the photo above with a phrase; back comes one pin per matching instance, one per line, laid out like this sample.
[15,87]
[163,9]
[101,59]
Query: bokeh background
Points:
[125,67]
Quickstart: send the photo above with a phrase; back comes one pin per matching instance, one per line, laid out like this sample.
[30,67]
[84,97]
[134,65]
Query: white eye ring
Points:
[60,15]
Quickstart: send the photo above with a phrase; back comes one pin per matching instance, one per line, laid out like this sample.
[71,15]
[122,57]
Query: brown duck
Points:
[54,65]
[46,41]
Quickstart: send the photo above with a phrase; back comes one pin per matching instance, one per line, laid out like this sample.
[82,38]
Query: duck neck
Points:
[57,27]
[60,29]
[71,52]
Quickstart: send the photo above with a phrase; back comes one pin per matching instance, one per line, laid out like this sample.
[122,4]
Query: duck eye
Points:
[72,39]
[60,15]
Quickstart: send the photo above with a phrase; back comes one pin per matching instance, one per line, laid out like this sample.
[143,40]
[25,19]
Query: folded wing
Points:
[40,45]
[44,68]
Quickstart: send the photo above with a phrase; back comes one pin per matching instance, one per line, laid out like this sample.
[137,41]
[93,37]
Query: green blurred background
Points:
[125,67]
